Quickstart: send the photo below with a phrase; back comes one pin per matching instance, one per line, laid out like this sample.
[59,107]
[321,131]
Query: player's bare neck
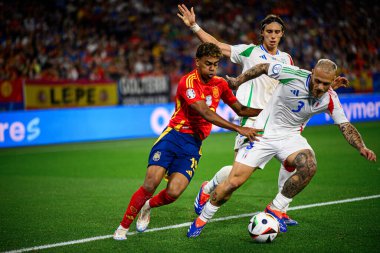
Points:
[270,50]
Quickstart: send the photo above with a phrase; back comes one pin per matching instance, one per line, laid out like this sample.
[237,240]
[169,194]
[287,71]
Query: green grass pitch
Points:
[61,193]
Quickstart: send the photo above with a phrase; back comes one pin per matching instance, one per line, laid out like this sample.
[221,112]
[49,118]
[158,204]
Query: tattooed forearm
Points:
[306,167]
[253,72]
[352,135]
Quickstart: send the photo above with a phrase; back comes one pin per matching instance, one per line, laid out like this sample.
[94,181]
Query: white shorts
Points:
[240,142]
[260,152]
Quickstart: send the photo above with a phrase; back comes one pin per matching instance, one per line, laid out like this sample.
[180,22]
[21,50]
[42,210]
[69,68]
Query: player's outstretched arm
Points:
[244,111]
[214,118]
[340,82]
[354,138]
[251,73]
[188,18]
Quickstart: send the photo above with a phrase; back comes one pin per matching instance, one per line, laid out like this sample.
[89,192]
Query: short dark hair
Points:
[270,19]
[208,49]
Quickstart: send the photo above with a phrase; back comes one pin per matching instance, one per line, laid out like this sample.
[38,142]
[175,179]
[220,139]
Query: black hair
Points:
[270,19]
[208,49]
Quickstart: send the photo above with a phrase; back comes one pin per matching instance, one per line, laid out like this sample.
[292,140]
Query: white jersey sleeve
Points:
[240,52]
[335,109]
[283,72]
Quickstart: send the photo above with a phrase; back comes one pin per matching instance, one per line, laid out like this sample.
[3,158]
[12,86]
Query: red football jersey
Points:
[190,90]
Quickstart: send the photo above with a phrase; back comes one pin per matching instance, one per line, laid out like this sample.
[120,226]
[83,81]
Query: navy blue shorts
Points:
[176,152]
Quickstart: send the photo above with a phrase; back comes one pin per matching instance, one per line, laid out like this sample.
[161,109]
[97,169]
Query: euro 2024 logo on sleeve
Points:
[190,93]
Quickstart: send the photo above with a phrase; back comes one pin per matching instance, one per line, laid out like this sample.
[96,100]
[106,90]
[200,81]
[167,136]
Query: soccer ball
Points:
[263,227]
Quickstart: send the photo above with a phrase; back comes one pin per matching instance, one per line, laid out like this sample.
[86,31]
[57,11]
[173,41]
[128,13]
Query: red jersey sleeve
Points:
[227,96]
[188,90]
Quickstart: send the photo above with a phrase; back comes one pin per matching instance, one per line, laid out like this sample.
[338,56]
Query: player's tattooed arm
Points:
[352,135]
[251,73]
[354,138]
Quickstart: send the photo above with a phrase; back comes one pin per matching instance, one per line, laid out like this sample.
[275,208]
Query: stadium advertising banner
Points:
[11,96]
[145,89]
[11,91]
[37,127]
[62,94]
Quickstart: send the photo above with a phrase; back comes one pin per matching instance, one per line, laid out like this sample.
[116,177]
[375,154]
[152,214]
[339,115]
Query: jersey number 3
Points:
[300,105]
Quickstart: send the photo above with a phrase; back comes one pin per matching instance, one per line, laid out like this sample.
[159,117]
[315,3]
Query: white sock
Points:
[146,205]
[123,228]
[281,202]
[219,177]
[208,211]
[283,176]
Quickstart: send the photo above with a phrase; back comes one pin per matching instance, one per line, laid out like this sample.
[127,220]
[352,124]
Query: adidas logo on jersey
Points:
[295,92]
[263,57]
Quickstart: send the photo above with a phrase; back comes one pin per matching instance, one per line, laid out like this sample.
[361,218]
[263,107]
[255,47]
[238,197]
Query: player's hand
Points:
[368,154]
[250,133]
[188,17]
[340,82]
[232,82]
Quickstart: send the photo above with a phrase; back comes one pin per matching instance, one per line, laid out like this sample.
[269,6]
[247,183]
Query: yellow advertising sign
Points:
[68,94]
[363,82]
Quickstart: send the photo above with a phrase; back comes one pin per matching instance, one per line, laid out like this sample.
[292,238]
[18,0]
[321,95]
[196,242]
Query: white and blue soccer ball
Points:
[263,228]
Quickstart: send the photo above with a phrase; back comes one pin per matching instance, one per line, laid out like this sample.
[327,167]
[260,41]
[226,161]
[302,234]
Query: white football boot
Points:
[120,234]
[144,218]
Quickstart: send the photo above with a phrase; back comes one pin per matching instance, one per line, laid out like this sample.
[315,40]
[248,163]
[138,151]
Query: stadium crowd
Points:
[94,39]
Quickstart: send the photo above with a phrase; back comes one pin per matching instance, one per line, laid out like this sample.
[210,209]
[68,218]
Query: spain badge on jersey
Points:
[215,92]
[157,156]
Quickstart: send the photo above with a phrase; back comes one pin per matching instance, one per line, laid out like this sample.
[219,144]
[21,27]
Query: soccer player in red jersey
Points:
[177,151]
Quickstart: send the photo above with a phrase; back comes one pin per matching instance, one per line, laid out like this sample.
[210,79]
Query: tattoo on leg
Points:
[213,197]
[306,167]
[215,200]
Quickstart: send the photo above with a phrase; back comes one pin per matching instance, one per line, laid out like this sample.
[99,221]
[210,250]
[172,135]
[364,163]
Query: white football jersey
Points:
[292,105]
[257,92]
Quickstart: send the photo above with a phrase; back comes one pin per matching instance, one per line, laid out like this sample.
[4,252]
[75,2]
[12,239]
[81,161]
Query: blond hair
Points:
[326,65]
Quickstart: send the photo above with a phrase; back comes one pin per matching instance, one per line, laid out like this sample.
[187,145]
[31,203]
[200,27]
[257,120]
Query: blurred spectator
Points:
[96,40]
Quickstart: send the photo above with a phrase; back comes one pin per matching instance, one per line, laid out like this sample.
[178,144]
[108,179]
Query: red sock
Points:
[161,199]
[137,201]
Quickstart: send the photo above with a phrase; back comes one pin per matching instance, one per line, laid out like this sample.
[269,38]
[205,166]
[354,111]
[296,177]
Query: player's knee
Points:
[173,192]
[149,187]
[306,164]
[150,184]
[311,163]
